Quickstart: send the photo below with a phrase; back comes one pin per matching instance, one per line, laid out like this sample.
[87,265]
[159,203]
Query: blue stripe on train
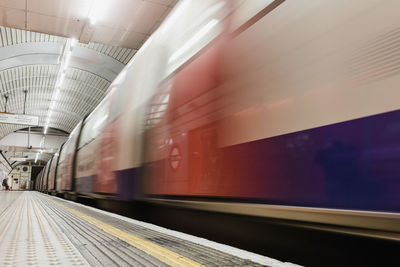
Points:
[350,165]
[128,183]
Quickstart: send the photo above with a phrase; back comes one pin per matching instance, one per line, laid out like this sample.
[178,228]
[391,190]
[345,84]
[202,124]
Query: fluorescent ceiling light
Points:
[17,159]
[73,42]
[42,141]
[99,10]
[67,59]
[53,103]
[56,95]
[49,116]
[60,81]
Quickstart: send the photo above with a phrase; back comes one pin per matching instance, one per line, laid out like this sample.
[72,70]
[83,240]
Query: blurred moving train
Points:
[280,109]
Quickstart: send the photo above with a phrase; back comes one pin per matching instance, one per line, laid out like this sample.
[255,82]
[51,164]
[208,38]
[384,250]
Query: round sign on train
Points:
[175,157]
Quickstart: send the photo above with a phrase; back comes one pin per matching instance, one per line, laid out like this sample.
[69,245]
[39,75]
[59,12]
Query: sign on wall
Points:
[19,119]
[18,159]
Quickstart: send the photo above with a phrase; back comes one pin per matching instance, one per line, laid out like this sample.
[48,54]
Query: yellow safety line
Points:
[165,255]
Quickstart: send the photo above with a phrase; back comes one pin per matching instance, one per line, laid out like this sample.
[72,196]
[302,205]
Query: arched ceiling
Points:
[63,54]
[35,62]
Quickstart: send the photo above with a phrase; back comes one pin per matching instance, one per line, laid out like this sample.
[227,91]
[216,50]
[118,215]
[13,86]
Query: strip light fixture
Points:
[64,62]
[41,146]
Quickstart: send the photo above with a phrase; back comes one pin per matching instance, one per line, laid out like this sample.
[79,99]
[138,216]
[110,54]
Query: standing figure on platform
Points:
[5,184]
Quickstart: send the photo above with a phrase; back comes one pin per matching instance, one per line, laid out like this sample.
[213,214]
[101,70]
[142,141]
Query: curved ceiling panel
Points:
[30,48]
[96,63]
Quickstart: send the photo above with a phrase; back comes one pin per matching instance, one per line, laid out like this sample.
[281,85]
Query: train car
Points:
[53,172]
[88,149]
[38,180]
[120,159]
[285,115]
[264,112]
[66,162]
[45,178]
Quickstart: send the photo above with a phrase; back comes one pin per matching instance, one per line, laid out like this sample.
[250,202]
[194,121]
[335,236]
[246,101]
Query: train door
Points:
[203,151]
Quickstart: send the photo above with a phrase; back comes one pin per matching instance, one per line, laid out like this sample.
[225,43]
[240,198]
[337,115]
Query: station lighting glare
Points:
[99,10]
[189,44]
[92,21]
[42,141]
[73,42]
[100,121]
[56,95]
[36,158]
[53,103]
[176,14]
[60,81]
[67,59]
[120,78]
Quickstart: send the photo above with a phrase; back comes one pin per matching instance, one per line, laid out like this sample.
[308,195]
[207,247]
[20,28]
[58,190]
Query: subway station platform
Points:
[41,230]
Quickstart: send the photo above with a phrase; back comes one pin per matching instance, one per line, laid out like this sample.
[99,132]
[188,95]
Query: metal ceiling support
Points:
[1,152]
[29,136]
[26,93]
[5,105]
[29,128]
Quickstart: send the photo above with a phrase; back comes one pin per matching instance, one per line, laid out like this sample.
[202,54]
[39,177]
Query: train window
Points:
[117,97]
[158,105]
[69,146]
[95,123]
[185,36]
[85,135]
[64,150]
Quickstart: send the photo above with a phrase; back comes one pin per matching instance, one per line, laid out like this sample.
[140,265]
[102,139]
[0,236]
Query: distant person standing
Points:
[5,184]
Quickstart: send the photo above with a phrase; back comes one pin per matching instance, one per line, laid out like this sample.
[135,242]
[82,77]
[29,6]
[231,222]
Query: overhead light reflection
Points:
[99,10]
[61,80]
[67,59]
[189,44]
[73,42]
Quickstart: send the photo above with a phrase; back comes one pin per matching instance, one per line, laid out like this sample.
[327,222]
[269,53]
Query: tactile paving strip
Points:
[39,230]
[29,237]
[203,255]
[98,247]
